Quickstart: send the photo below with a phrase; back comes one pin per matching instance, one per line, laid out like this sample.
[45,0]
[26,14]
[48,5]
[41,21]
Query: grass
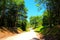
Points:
[38,28]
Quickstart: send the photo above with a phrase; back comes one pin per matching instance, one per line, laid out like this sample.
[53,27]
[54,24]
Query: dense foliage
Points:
[11,13]
[36,22]
[51,21]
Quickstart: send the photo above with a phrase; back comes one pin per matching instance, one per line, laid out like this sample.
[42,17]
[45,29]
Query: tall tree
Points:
[36,21]
[52,21]
[10,12]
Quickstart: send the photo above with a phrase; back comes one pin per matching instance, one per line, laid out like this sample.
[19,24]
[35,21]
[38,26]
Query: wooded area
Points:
[13,15]
[51,19]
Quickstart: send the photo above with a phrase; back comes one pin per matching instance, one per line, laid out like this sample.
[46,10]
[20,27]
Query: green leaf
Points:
[37,5]
[18,2]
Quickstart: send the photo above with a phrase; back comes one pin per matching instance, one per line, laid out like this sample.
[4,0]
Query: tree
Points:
[53,19]
[10,12]
[36,21]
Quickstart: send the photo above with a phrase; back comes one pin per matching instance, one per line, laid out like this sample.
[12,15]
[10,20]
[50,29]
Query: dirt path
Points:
[22,36]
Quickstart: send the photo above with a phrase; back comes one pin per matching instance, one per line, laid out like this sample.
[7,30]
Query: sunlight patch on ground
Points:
[24,36]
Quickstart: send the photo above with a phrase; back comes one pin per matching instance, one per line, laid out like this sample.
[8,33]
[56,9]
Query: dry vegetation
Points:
[6,33]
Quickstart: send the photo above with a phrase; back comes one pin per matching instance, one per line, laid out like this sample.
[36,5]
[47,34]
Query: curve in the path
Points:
[23,36]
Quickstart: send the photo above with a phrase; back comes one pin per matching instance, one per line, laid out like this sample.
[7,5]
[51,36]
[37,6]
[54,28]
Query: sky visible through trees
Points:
[41,15]
[33,9]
